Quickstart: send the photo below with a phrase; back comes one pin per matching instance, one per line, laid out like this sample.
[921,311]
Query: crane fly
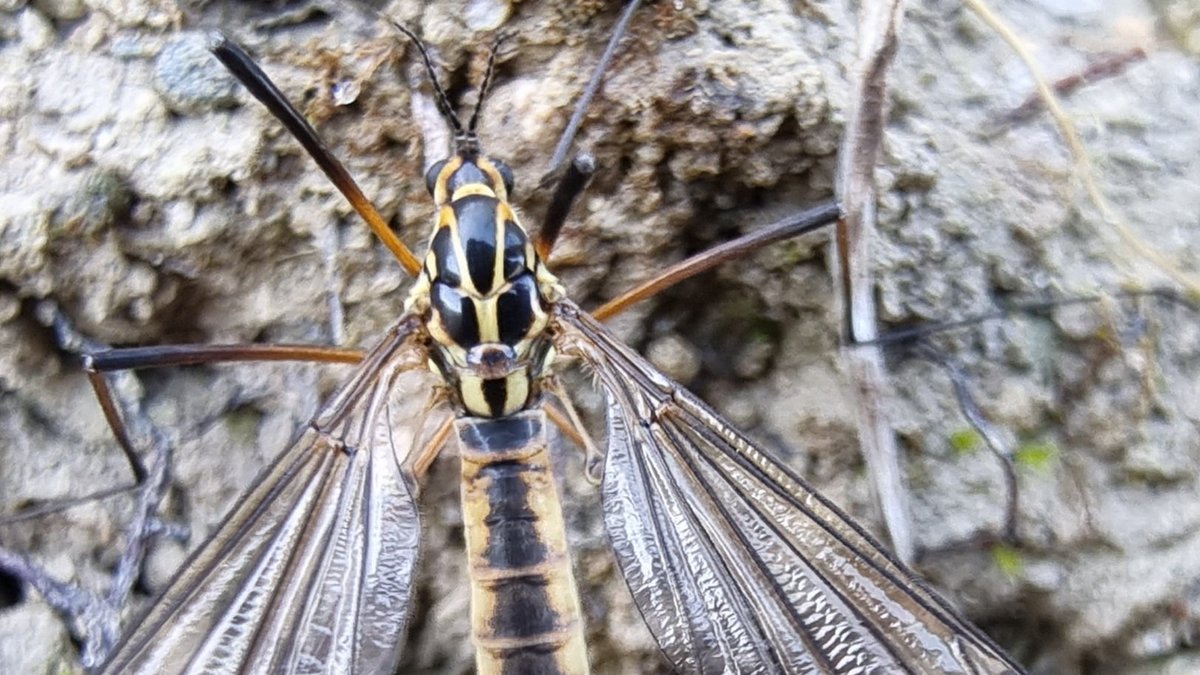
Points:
[734,561]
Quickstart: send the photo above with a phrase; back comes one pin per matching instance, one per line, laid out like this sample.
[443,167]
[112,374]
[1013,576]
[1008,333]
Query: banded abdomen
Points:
[525,614]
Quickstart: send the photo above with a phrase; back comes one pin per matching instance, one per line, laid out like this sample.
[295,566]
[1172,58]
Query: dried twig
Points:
[1079,154]
[1106,66]
[878,28]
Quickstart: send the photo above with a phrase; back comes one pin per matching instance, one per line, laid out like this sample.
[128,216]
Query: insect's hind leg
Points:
[94,618]
[105,360]
[96,363]
[153,479]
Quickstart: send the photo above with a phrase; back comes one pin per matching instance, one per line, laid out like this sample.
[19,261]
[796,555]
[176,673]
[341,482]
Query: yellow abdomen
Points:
[525,614]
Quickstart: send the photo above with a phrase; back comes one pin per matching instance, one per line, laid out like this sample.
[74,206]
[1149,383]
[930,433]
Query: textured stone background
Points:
[155,203]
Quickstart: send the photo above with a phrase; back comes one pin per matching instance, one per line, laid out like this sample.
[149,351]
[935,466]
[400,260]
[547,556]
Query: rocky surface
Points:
[154,202]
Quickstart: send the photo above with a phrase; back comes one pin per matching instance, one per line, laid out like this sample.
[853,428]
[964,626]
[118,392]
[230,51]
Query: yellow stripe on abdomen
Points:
[525,615]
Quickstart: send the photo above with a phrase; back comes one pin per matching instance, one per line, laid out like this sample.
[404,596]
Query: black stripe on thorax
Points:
[442,248]
[515,309]
[457,313]
[476,217]
[495,393]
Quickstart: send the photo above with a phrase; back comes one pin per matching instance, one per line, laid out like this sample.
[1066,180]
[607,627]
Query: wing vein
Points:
[312,571]
[778,592]
[690,503]
[721,444]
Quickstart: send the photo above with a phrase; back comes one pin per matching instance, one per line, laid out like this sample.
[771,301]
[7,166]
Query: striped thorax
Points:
[483,290]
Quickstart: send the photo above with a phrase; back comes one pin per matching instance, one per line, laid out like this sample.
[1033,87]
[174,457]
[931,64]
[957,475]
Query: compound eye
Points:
[432,174]
[506,175]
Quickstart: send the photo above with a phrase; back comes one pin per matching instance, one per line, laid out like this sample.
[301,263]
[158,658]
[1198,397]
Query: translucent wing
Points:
[312,571]
[736,564]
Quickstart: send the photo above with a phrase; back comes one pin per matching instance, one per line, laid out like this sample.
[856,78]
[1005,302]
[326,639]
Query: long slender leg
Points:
[563,422]
[256,81]
[577,174]
[991,436]
[923,331]
[572,184]
[136,358]
[430,450]
[94,619]
[572,426]
[806,221]
[58,505]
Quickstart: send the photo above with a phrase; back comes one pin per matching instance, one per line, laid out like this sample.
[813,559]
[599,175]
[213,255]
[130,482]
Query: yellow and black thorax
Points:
[483,289]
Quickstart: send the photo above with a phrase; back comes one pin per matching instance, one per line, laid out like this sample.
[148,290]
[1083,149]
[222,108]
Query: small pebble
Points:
[190,79]
[35,30]
[63,10]
[674,356]
[104,198]
[486,15]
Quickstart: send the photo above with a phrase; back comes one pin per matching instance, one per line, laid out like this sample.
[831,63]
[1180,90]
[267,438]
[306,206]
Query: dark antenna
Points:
[464,141]
[487,82]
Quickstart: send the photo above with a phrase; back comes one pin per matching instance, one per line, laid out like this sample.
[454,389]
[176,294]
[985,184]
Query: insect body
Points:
[483,290]
[736,564]
[483,294]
